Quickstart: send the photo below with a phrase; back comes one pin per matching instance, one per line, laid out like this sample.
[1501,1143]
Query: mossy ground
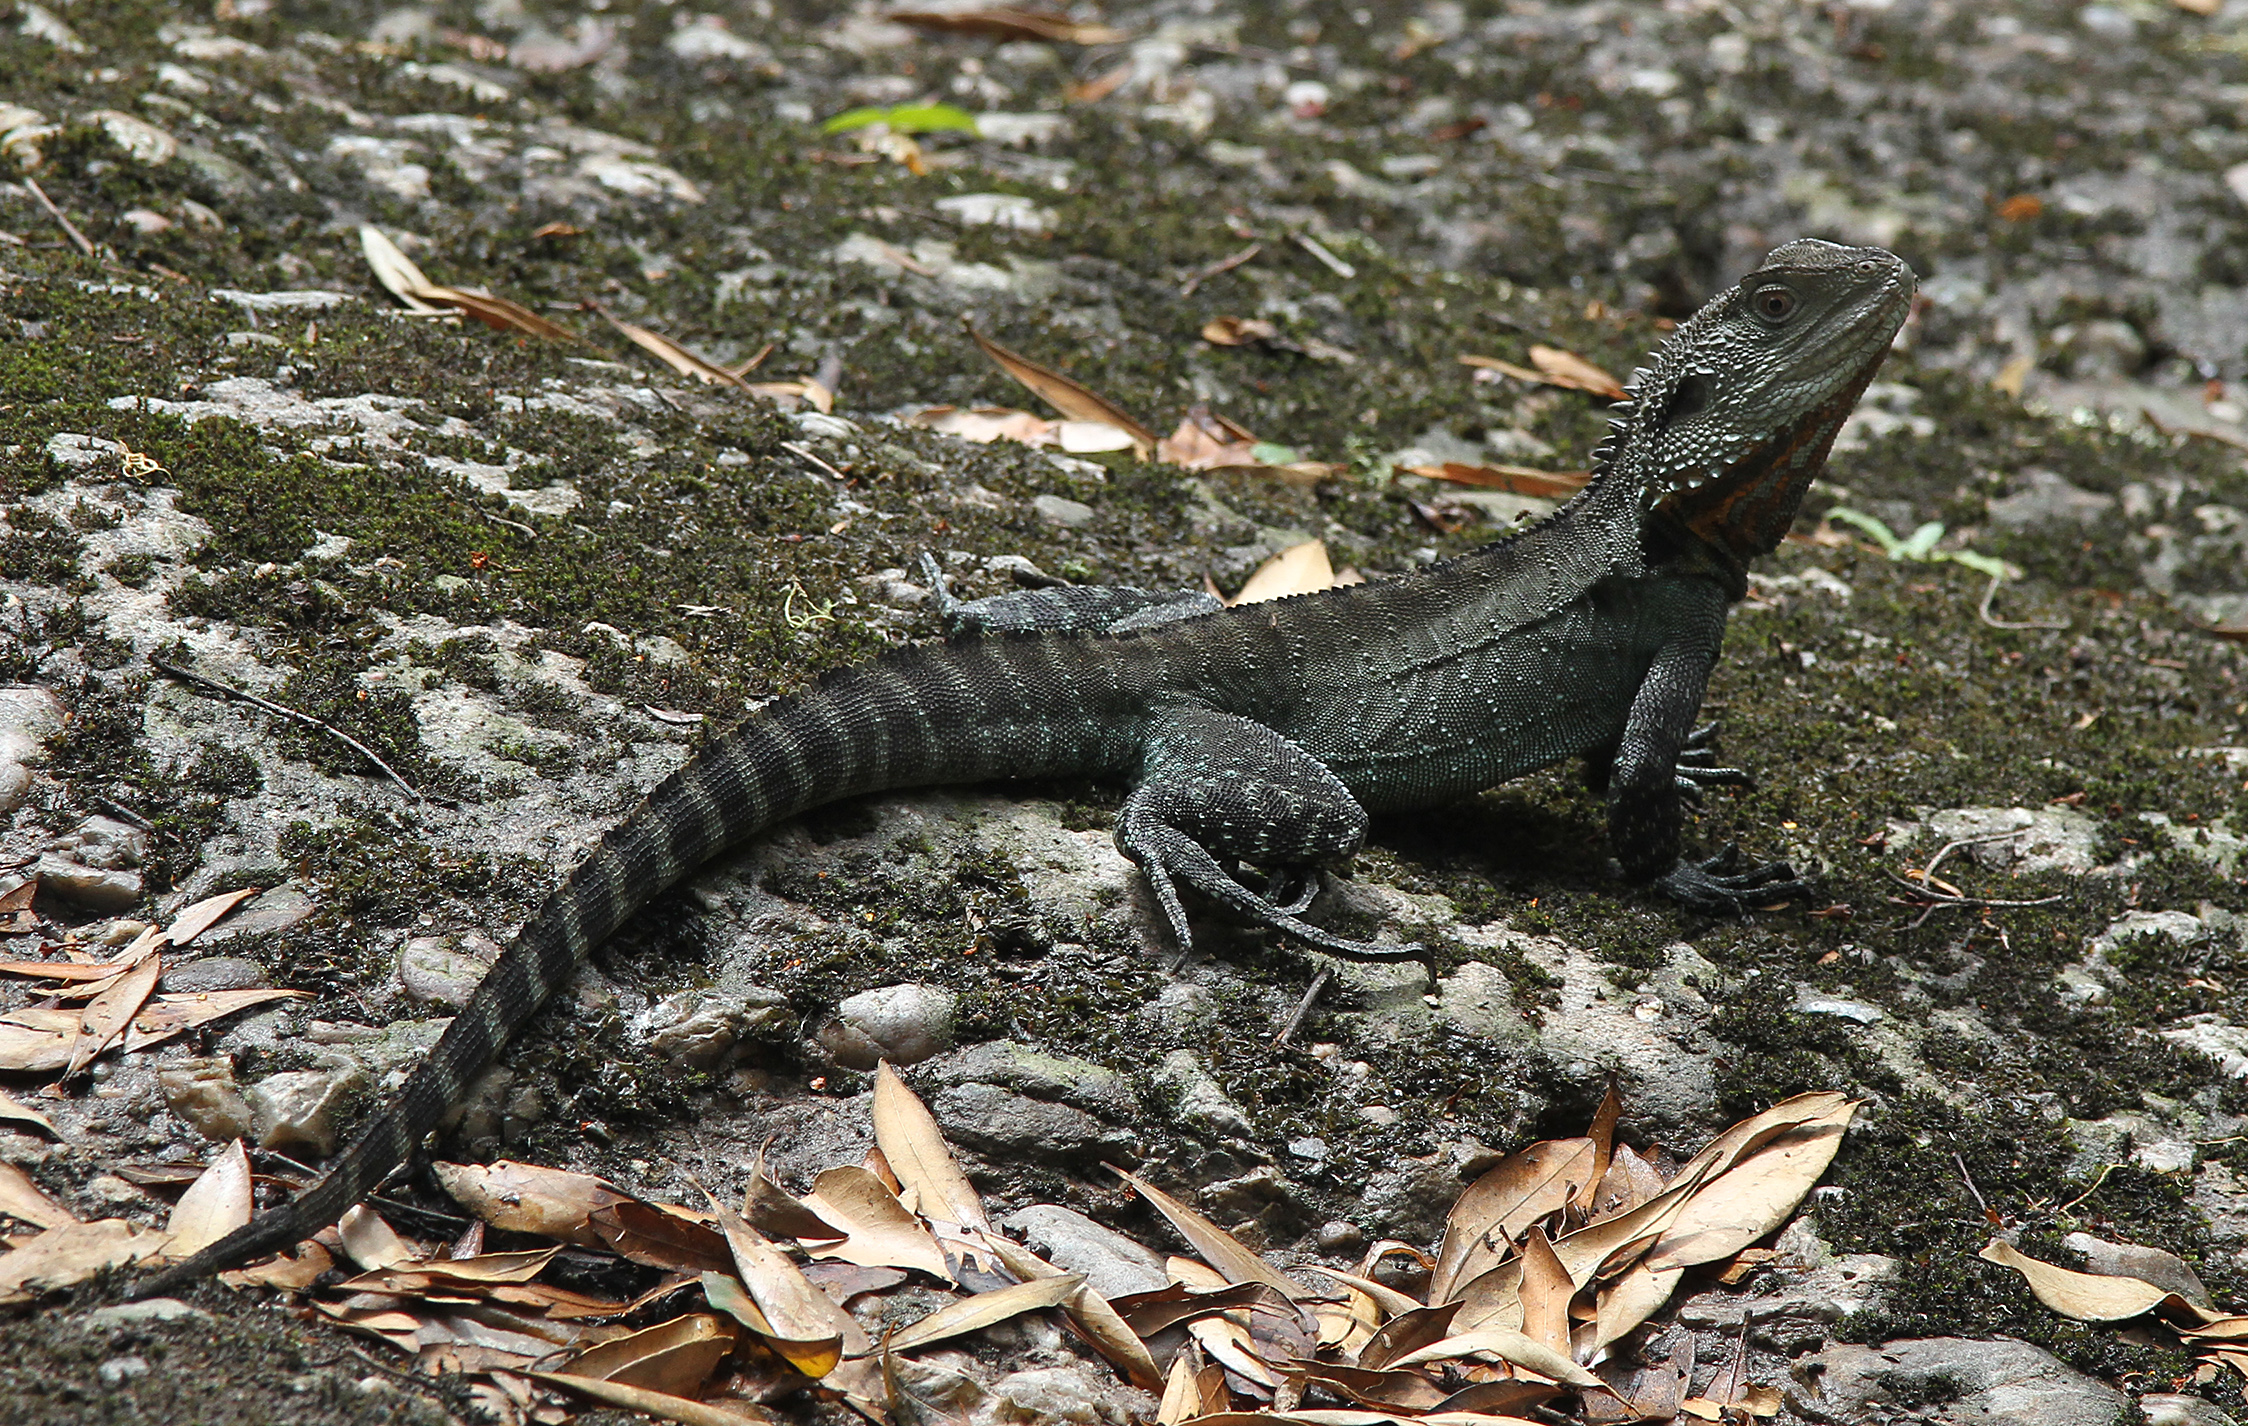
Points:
[1851,715]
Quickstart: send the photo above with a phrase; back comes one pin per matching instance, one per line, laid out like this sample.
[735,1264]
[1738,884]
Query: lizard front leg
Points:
[1660,762]
[1214,785]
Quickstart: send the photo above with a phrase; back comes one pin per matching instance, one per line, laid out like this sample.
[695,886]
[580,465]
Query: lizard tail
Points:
[860,729]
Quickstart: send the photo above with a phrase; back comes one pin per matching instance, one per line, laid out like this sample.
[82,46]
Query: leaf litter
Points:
[1549,1258]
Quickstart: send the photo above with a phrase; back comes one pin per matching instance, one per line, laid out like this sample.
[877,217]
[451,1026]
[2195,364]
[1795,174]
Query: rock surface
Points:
[532,577]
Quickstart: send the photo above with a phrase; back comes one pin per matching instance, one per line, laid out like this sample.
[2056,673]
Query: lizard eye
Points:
[1773,304]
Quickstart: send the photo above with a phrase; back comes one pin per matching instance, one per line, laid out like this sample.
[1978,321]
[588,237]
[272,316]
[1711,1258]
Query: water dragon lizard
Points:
[1266,733]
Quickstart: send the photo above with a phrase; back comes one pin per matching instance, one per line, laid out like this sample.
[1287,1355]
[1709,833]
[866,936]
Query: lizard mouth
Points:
[1863,321]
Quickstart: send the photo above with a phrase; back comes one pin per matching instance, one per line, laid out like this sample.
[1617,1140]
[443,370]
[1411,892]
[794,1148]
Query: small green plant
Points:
[905,119]
[1919,547]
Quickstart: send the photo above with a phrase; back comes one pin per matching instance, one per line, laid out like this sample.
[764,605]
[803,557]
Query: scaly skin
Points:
[1266,733]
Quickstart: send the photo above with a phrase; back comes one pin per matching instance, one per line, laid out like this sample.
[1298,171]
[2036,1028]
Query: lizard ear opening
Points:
[1689,396]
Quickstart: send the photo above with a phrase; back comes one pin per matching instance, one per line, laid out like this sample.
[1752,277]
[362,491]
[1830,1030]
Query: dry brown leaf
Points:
[37,1040]
[395,271]
[1634,1295]
[777,1213]
[812,393]
[1228,1342]
[205,914]
[1148,1313]
[674,355]
[372,1243]
[806,1326]
[917,1153]
[658,1404]
[214,1205]
[1007,22]
[484,1269]
[1752,1133]
[21,1199]
[1546,1291]
[16,913]
[1299,569]
[294,1271]
[1405,1390]
[1609,1244]
[1089,1312]
[108,1013]
[1499,1206]
[1238,331]
[659,1236]
[1207,441]
[1519,479]
[1630,1181]
[1754,1196]
[168,1015]
[1388,1299]
[973,1314]
[1407,1333]
[1219,1248]
[985,424]
[14,1110]
[878,1231]
[1072,399]
[1507,1399]
[1566,368]
[1182,1396]
[2086,1297]
[1603,1136]
[674,1357]
[499,313]
[527,1198]
[72,1252]
[68,971]
[1511,1347]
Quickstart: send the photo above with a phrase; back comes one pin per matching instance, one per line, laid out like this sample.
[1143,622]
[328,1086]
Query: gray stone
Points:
[105,843]
[119,1370]
[298,1109]
[1951,1380]
[29,717]
[1040,1074]
[904,1024]
[1113,1264]
[1066,1395]
[204,1094]
[702,1029]
[1001,1123]
[94,888]
[1074,514]
[2171,1409]
[444,970]
[2164,1270]
[134,1314]
[262,915]
[2027,839]
[212,973]
[1198,1102]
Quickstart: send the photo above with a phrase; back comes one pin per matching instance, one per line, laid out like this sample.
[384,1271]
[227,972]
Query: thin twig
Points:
[1223,264]
[2105,1170]
[1969,1179]
[806,452]
[85,244]
[226,690]
[1303,1007]
[1983,612]
[124,814]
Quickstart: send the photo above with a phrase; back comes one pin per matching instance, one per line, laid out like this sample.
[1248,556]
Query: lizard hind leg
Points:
[1214,786]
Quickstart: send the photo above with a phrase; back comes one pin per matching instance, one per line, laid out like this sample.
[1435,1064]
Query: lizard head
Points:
[1732,419]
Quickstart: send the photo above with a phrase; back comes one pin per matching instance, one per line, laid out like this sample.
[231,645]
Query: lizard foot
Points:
[1721,887]
[1697,767]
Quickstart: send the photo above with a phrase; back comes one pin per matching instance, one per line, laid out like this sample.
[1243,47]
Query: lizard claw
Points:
[1292,889]
[1721,886]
